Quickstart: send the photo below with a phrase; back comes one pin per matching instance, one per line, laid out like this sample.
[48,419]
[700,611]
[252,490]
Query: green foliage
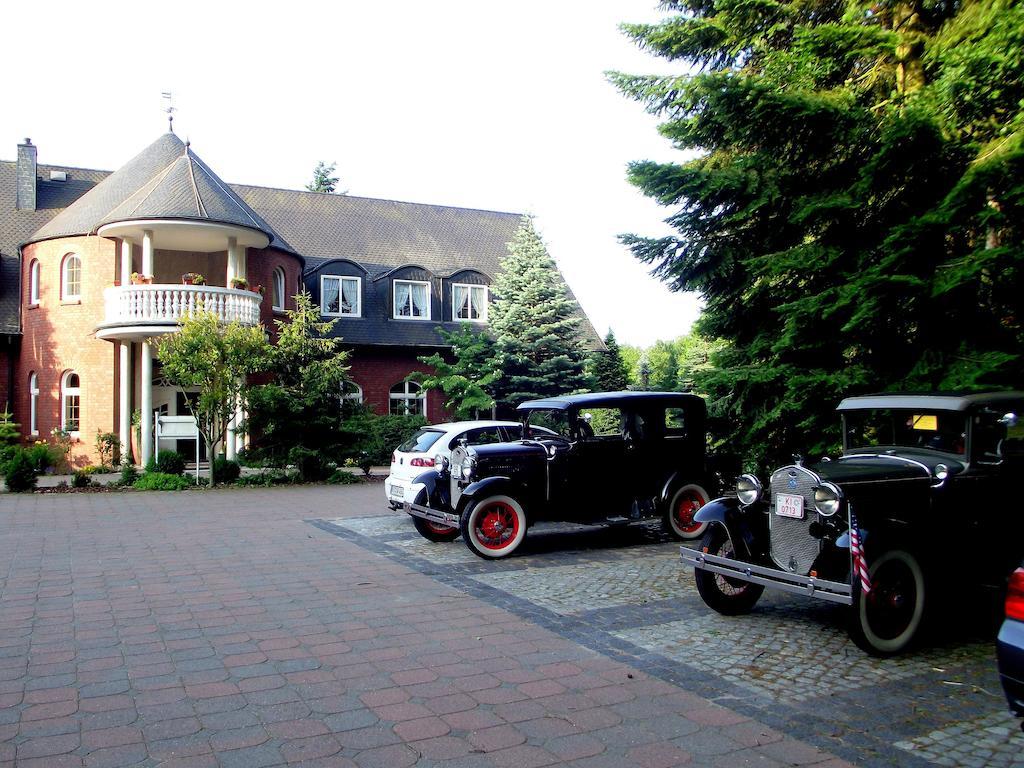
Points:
[108,445]
[849,206]
[372,438]
[166,462]
[19,472]
[266,479]
[225,470]
[323,180]
[81,479]
[128,473]
[10,431]
[467,376]
[301,406]
[43,455]
[214,358]
[311,465]
[607,367]
[342,477]
[159,481]
[535,324]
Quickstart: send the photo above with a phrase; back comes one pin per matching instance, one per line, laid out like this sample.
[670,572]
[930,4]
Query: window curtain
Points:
[278,288]
[402,292]
[476,303]
[462,302]
[349,297]
[329,300]
[419,300]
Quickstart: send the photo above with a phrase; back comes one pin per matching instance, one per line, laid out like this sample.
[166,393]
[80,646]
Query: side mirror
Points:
[1009,420]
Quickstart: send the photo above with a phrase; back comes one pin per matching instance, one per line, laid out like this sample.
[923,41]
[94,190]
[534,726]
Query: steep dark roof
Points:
[17,226]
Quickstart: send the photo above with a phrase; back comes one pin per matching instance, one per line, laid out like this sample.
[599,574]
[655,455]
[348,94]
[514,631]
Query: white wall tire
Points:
[887,620]
[679,515]
[494,526]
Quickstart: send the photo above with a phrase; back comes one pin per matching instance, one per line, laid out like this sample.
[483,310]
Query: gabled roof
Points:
[164,181]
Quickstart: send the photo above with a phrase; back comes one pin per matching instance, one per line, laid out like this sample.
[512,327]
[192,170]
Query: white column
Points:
[126,262]
[146,447]
[232,261]
[125,410]
[147,252]
[243,262]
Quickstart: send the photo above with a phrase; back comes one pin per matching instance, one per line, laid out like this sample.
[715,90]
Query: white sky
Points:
[467,103]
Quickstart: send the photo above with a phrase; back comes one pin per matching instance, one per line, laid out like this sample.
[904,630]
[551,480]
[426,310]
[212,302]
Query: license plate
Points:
[398,491]
[788,505]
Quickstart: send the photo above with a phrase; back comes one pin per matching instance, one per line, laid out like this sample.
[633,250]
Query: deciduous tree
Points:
[467,376]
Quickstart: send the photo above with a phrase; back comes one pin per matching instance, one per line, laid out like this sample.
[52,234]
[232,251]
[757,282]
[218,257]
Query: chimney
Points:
[26,176]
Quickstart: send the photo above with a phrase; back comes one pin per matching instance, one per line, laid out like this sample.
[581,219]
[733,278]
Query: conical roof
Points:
[164,181]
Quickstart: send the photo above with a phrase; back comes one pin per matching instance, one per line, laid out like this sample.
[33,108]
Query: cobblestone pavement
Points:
[234,629]
[789,664]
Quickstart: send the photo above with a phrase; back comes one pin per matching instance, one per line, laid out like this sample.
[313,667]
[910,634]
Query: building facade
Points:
[95,266]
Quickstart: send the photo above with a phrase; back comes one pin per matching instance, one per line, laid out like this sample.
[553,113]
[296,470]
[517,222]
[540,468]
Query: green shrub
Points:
[342,477]
[311,465]
[129,474]
[372,438]
[10,430]
[43,456]
[81,479]
[19,472]
[162,481]
[108,445]
[7,453]
[168,463]
[225,470]
[266,479]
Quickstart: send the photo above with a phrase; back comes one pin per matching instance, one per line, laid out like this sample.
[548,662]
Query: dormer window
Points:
[412,300]
[340,296]
[469,302]
[71,278]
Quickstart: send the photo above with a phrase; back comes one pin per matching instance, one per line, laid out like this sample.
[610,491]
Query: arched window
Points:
[33,282]
[70,403]
[33,403]
[408,399]
[351,393]
[277,295]
[71,278]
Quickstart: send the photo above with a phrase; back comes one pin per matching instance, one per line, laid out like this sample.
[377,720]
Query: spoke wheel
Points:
[684,505]
[494,527]
[726,595]
[886,620]
[435,531]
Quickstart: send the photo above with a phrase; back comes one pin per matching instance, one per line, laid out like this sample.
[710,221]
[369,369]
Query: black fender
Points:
[492,486]
[678,479]
[436,491]
[747,526]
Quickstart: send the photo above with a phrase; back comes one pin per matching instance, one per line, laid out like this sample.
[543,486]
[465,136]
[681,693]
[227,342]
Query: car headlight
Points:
[441,463]
[748,489]
[468,467]
[827,498]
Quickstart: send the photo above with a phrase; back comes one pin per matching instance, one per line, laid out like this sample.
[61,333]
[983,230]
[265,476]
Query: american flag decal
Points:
[860,566]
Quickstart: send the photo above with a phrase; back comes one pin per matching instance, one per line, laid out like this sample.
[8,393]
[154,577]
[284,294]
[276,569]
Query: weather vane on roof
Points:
[169,109]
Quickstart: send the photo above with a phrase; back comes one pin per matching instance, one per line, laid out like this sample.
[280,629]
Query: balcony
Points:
[134,312]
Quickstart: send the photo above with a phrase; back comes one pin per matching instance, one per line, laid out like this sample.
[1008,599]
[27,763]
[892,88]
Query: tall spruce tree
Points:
[535,325]
[465,377]
[850,209]
[607,367]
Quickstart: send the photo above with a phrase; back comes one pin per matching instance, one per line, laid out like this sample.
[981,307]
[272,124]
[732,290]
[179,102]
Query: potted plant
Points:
[193,278]
[260,290]
[138,279]
[240,283]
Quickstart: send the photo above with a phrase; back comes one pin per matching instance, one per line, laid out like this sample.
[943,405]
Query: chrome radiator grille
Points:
[793,547]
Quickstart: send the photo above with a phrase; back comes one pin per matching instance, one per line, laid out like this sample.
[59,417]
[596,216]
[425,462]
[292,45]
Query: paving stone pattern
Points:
[221,629]
[789,664]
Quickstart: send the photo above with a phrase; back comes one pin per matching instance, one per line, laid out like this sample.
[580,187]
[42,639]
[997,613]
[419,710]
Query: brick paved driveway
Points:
[224,628]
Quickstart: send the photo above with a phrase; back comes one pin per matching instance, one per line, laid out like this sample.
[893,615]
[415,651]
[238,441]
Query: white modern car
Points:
[416,455]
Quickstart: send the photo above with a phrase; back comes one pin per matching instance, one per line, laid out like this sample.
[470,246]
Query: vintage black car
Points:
[924,476]
[613,458]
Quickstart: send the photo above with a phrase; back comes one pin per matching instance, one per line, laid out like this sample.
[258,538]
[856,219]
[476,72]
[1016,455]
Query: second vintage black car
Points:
[927,478]
[603,458]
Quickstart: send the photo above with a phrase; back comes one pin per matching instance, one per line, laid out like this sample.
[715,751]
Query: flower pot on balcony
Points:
[193,278]
[239,283]
[138,279]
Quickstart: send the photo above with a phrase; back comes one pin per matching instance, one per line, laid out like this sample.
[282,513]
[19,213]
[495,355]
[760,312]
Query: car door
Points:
[597,483]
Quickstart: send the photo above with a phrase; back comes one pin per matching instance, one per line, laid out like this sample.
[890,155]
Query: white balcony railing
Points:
[133,304]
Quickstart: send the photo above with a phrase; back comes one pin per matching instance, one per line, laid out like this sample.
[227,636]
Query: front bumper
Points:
[433,515]
[811,586]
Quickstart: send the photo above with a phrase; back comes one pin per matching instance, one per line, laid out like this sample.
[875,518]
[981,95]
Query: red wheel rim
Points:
[687,507]
[437,527]
[497,525]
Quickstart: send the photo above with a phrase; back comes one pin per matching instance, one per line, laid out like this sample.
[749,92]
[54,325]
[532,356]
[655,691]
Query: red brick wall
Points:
[58,337]
[377,370]
[259,271]
[7,349]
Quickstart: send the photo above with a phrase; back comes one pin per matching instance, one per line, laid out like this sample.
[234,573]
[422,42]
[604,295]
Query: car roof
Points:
[933,401]
[598,399]
[460,426]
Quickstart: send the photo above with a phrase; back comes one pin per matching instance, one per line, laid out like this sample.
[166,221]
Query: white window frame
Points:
[33,282]
[341,279]
[471,287]
[66,393]
[406,396]
[394,303]
[277,280]
[355,395]
[65,288]
[33,403]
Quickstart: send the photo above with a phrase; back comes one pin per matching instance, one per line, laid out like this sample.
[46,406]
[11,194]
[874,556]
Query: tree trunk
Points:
[909,25]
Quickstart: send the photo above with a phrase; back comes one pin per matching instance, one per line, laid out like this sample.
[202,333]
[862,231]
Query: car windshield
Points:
[421,442]
[556,421]
[937,430]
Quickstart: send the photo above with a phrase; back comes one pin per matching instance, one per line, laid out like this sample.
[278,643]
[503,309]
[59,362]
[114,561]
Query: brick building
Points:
[94,266]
